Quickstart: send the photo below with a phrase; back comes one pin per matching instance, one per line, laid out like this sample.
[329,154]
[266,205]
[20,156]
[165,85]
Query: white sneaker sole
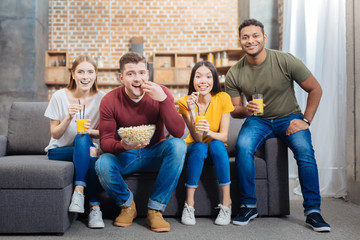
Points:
[244,223]
[222,223]
[76,210]
[319,229]
[188,223]
[99,225]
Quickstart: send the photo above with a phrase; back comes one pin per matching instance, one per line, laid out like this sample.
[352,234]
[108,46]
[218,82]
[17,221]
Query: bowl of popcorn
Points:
[138,134]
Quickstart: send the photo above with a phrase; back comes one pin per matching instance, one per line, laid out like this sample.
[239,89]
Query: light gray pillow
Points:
[29,130]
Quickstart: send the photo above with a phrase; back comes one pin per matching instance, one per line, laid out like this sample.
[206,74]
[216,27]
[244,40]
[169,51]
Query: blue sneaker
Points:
[245,215]
[317,223]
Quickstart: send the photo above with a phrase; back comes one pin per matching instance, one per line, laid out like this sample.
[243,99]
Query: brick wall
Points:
[105,27]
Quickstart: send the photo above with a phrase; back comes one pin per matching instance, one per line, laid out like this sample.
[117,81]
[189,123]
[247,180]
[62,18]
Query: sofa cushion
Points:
[260,168]
[234,129]
[29,130]
[34,171]
[3,145]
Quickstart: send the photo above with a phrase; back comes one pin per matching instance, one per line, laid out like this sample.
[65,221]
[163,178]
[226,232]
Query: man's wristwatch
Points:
[307,121]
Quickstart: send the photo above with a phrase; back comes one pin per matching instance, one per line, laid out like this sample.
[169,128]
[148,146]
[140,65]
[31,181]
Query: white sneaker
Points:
[95,218]
[224,216]
[77,202]
[188,216]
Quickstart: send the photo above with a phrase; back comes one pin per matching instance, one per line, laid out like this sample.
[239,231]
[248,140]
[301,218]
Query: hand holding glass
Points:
[82,125]
[198,119]
[258,98]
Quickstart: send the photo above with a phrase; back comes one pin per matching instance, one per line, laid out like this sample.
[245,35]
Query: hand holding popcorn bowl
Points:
[137,135]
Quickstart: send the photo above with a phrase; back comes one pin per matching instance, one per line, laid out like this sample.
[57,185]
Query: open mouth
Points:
[84,82]
[136,85]
[202,88]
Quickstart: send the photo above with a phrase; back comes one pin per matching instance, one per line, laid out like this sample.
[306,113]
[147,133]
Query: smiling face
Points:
[84,76]
[133,76]
[203,80]
[252,40]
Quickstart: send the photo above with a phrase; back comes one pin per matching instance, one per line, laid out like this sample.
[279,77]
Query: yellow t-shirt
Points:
[220,104]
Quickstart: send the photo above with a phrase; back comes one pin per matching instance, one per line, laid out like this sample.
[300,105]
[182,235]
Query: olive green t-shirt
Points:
[274,78]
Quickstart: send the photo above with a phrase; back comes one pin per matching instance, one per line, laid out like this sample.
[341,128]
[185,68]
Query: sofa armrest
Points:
[276,157]
[3,145]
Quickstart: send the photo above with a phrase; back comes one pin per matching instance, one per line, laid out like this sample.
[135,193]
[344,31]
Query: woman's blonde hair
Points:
[77,61]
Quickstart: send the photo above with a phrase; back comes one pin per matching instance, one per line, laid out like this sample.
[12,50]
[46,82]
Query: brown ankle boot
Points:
[156,221]
[126,216]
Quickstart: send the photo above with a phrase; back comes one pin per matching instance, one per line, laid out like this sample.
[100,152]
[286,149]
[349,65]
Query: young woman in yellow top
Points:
[207,137]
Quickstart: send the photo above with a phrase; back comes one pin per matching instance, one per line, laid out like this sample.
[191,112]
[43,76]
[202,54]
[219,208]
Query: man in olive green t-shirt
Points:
[273,74]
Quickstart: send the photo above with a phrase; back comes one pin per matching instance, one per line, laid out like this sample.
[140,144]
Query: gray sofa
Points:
[35,192]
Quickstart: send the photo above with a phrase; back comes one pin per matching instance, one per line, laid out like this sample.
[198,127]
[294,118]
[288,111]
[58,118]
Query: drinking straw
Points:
[205,109]
[84,112]
[80,109]
[198,108]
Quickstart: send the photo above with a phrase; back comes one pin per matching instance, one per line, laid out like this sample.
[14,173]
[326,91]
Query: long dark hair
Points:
[78,60]
[216,84]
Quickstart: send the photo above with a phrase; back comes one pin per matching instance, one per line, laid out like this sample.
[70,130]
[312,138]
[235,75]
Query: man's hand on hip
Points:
[296,125]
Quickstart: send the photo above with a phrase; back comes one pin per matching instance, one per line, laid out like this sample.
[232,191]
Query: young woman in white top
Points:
[65,106]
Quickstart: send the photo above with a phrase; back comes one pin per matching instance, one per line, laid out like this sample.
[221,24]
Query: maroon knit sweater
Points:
[118,110]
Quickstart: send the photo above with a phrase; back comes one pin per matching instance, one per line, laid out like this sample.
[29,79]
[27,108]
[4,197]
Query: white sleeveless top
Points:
[58,110]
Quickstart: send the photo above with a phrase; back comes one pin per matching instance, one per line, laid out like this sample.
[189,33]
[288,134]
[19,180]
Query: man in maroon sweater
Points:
[139,102]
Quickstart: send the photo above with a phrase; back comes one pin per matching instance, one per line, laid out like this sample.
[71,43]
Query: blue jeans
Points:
[216,154]
[166,157]
[84,165]
[254,132]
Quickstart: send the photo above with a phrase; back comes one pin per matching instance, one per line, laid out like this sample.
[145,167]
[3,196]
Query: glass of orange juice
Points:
[200,116]
[258,98]
[80,123]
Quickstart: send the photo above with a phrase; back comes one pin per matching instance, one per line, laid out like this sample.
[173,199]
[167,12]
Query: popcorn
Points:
[137,135]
